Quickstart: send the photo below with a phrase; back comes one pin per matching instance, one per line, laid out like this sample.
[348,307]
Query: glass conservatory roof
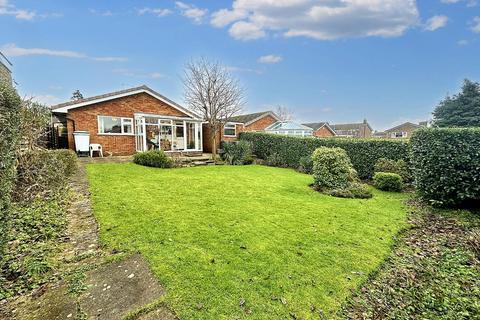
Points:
[288,125]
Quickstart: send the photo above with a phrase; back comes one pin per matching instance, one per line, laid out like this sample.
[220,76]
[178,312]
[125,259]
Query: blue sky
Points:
[340,61]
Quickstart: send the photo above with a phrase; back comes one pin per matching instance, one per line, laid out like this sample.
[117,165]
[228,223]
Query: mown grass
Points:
[244,241]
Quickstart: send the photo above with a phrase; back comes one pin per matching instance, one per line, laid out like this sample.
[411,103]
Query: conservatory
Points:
[166,133]
[289,128]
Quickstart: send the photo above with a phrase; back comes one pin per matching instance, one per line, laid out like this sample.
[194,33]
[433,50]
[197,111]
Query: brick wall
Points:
[85,119]
[323,132]
[259,125]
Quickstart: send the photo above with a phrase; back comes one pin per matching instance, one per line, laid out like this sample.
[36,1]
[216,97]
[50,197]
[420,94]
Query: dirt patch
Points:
[119,287]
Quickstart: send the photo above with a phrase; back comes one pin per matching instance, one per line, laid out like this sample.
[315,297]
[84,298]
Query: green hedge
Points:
[446,165]
[363,153]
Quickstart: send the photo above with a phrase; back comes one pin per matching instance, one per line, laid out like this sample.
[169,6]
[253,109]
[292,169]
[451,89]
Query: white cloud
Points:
[470,3]
[242,30]
[475,25]
[159,12]
[46,99]
[10,10]
[192,12]
[436,22]
[270,59]
[12,50]
[106,13]
[138,74]
[327,109]
[326,19]
[462,42]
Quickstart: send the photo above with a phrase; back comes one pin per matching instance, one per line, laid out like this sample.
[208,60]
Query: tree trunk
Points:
[214,147]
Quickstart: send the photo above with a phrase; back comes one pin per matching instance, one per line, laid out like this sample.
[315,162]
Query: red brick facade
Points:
[86,119]
[323,132]
[258,125]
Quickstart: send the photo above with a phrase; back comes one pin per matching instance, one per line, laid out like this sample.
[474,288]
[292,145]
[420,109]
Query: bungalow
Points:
[404,130]
[321,129]
[258,121]
[353,130]
[131,120]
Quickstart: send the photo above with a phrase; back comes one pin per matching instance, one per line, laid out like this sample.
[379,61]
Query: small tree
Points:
[77,95]
[461,110]
[212,92]
[284,113]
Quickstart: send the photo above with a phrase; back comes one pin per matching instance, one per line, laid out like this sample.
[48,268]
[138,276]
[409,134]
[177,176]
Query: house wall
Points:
[408,128]
[323,132]
[259,125]
[86,119]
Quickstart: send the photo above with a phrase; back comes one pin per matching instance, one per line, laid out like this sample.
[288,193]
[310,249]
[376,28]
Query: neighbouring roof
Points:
[287,125]
[315,125]
[64,107]
[247,119]
[350,126]
[409,124]
[318,125]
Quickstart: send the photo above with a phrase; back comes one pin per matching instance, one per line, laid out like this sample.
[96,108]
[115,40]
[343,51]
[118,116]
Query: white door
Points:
[140,138]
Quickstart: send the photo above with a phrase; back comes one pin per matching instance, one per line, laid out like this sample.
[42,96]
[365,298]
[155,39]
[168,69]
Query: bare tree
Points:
[76,95]
[211,91]
[284,113]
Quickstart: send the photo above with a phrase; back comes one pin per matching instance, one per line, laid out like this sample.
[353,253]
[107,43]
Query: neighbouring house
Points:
[403,130]
[132,120]
[5,72]
[247,122]
[289,128]
[321,129]
[353,130]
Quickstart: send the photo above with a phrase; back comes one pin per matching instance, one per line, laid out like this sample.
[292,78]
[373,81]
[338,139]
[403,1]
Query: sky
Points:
[340,61]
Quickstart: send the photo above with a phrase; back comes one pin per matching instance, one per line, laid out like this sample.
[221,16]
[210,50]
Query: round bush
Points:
[354,191]
[394,166]
[154,158]
[387,181]
[332,168]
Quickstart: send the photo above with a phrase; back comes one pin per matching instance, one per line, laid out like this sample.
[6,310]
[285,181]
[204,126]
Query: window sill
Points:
[116,134]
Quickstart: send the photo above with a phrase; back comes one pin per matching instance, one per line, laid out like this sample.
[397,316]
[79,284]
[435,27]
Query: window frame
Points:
[122,123]
[230,124]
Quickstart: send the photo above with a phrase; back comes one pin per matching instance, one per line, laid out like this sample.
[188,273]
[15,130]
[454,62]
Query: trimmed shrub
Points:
[306,165]
[153,158]
[363,153]
[399,167]
[387,181]
[353,191]
[446,165]
[237,153]
[275,160]
[331,168]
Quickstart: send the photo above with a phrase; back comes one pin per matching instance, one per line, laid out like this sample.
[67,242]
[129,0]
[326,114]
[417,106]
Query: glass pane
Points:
[179,131]
[111,125]
[190,135]
[127,128]
[229,132]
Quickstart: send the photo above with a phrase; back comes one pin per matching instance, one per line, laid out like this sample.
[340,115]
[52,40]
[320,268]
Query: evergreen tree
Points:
[461,110]
[77,95]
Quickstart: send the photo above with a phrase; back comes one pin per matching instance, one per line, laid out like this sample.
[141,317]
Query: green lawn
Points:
[217,235]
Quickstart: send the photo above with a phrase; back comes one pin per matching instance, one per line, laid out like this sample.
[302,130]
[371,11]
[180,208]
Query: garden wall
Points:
[363,153]
[446,165]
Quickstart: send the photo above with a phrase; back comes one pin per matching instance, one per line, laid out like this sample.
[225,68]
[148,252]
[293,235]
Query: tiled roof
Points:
[412,125]
[102,97]
[246,118]
[315,125]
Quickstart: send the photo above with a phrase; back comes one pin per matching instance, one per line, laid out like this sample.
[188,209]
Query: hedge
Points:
[363,153]
[10,122]
[446,165]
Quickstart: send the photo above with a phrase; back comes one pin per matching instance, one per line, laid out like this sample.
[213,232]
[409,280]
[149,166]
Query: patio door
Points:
[140,143]
[193,135]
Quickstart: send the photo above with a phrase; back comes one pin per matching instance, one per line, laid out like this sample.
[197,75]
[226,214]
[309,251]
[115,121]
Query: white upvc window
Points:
[115,125]
[230,130]
[402,134]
